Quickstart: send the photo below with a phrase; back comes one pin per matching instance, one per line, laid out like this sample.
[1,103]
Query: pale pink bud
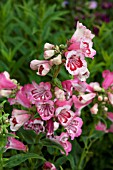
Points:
[105,109]
[100,98]
[49,166]
[49,53]
[97,88]
[5,93]
[48,46]
[57,60]
[60,95]
[56,125]
[94,109]
[105,98]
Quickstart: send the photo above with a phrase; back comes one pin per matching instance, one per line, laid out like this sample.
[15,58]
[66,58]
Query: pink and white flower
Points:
[6,82]
[36,124]
[94,109]
[45,109]
[49,53]
[19,117]
[101,127]
[12,143]
[48,46]
[41,92]
[60,94]
[75,63]
[74,127]
[21,98]
[108,79]
[64,114]
[42,66]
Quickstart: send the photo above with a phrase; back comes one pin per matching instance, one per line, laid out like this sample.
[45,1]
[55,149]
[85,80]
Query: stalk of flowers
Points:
[53,101]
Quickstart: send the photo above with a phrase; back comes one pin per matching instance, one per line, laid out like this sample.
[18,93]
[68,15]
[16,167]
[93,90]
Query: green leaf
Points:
[18,159]
[50,143]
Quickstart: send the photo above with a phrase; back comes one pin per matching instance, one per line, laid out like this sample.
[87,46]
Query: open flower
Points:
[45,109]
[75,63]
[42,66]
[19,117]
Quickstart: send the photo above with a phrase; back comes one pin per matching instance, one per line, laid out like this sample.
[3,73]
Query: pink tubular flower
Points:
[64,114]
[41,92]
[19,117]
[43,66]
[74,127]
[45,109]
[75,63]
[50,127]
[63,140]
[101,127]
[21,98]
[12,143]
[6,82]
[83,100]
[82,41]
[108,79]
[49,166]
[81,32]
[36,124]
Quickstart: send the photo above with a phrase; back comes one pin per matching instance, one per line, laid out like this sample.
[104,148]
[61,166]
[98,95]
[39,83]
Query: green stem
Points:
[1,162]
[85,150]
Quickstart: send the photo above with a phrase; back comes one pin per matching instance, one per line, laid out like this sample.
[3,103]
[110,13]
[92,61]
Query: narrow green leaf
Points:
[18,159]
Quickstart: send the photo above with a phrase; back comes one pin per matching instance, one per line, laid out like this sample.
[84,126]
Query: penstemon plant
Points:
[48,116]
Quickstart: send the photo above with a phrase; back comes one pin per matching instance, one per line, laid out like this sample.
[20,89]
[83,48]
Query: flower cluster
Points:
[49,106]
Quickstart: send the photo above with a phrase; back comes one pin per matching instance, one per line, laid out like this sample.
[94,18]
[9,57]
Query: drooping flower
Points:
[48,46]
[50,127]
[19,117]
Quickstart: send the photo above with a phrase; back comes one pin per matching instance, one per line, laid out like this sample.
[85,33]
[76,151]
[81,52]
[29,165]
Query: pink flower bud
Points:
[94,109]
[48,46]
[57,60]
[49,53]
[100,98]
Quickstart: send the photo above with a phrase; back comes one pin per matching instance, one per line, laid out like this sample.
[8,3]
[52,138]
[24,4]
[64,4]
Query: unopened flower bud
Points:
[48,46]
[105,109]
[100,98]
[94,109]
[97,88]
[105,98]
[48,54]
[57,60]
